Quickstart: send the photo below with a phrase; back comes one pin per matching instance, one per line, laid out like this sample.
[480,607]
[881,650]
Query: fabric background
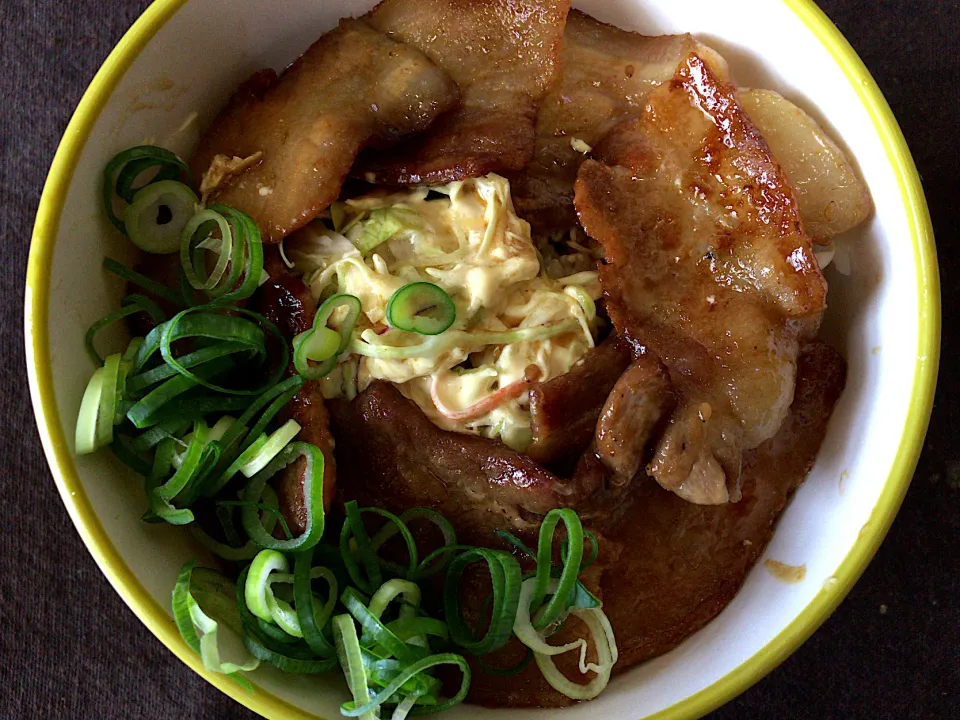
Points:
[70,648]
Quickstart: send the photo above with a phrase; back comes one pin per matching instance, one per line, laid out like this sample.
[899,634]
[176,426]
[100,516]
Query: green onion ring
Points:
[141,218]
[132,304]
[376,632]
[122,171]
[353,525]
[351,709]
[312,492]
[505,578]
[274,399]
[571,567]
[312,620]
[295,657]
[421,307]
[191,323]
[185,612]
[193,262]
[302,343]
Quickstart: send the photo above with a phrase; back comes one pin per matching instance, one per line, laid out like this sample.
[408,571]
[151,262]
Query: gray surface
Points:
[69,647]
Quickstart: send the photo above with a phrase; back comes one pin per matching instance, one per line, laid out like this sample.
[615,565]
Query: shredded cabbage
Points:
[514,312]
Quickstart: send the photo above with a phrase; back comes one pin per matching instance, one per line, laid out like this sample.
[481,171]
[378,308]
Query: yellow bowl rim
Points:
[155,617]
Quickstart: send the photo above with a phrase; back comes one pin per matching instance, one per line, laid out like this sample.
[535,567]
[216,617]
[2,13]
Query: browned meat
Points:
[390,455]
[633,410]
[351,87]
[670,566]
[707,266]
[287,302]
[564,410]
[606,75]
[503,54]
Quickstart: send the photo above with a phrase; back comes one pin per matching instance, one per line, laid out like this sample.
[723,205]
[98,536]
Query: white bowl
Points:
[185,56]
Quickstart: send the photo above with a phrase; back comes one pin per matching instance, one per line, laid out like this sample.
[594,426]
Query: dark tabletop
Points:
[70,648]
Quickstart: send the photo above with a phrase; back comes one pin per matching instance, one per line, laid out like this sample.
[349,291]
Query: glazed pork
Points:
[354,86]
[606,75]
[565,409]
[503,54]
[391,455]
[668,567]
[706,266]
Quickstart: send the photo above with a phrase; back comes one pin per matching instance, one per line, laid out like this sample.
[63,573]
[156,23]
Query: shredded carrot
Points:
[491,402]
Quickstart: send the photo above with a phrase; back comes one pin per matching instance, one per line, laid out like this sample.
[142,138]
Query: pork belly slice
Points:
[564,410]
[668,567]
[503,54]
[389,454]
[352,87]
[606,75]
[707,267]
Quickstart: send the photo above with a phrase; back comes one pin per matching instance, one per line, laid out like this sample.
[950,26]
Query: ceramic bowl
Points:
[184,57]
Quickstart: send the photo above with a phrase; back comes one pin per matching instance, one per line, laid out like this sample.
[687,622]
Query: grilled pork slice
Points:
[707,267]
[503,54]
[389,454]
[565,409]
[606,75]
[631,414]
[669,567]
[350,88]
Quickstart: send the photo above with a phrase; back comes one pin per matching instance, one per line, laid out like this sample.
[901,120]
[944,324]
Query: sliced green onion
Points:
[288,655]
[273,400]
[147,411]
[193,262]
[312,493]
[400,526]
[195,323]
[269,516]
[322,344]
[422,308]
[313,619]
[161,510]
[148,284]
[376,632]
[158,214]
[197,628]
[601,630]
[571,567]
[317,341]
[422,571]
[163,372]
[505,578]
[351,661]
[271,447]
[356,709]
[132,304]
[354,526]
[239,268]
[126,167]
[257,588]
[85,440]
